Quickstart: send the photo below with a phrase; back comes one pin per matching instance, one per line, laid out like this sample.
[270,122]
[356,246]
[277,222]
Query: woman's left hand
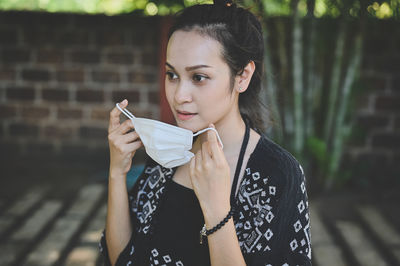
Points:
[211,181]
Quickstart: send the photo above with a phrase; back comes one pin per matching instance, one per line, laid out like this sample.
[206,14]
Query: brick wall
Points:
[374,150]
[61,74]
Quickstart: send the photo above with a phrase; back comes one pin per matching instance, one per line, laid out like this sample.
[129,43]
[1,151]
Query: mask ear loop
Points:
[210,128]
[125,112]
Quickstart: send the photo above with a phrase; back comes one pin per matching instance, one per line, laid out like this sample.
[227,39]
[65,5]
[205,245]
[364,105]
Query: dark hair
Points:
[240,34]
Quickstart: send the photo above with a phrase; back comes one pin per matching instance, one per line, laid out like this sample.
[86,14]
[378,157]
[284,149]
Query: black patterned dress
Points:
[272,218]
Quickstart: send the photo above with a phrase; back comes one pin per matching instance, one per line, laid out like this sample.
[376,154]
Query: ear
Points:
[243,80]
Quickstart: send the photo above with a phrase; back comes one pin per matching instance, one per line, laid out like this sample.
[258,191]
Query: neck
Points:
[231,130]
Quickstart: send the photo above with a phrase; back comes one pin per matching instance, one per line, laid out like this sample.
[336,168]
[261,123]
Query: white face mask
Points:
[166,144]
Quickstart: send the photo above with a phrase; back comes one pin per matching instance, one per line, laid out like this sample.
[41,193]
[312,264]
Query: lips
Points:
[184,112]
[184,115]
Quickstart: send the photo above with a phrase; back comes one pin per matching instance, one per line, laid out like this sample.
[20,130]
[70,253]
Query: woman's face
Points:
[197,81]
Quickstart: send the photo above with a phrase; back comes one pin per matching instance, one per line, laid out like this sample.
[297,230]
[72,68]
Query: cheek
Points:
[220,93]
[169,94]
[215,101]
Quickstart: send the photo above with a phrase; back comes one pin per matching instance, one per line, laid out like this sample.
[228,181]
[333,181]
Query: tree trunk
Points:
[283,76]
[298,82]
[335,81]
[338,133]
[311,73]
[270,91]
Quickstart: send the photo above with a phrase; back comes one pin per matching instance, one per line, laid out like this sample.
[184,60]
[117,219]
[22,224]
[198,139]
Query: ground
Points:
[52,212]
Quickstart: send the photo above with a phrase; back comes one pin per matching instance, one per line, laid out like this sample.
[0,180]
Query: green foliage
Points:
[317,120]
[277,7]
[318,150]
[109,7]
[331,8]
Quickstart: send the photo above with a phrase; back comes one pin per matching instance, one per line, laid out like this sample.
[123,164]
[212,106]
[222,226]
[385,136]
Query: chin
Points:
[186,125]
[191,125]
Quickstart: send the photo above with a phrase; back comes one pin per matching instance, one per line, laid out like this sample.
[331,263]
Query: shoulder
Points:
[272,160]
[272,157]
[274,190]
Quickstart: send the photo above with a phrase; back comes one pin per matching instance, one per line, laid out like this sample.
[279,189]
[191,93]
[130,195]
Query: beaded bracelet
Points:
[204,232]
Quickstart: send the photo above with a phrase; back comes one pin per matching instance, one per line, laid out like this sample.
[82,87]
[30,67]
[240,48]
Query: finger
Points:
[131,147]
[114,116]
[198,161]
[205,153]
[213,142]
[130,137]
[126,126]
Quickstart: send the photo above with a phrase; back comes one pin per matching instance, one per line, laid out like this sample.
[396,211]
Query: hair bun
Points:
[225,3]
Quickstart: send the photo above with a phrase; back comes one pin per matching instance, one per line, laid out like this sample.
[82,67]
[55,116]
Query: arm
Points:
[123,145]
[210,177]
[223,244]
[118,222]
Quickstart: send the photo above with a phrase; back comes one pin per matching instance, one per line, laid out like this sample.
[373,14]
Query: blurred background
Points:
[332,75]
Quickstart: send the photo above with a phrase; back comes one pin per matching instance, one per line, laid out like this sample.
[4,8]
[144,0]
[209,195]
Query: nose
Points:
[183,94]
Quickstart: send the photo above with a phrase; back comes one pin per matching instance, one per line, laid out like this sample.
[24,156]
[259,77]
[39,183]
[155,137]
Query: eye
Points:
[198,78]
[170,75]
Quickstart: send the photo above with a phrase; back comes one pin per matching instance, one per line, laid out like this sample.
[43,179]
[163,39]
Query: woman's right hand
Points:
[122,144]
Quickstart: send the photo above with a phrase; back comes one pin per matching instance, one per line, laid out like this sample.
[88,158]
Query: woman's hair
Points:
[240,34]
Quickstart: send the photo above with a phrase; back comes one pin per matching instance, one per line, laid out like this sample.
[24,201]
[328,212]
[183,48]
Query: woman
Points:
[243,203]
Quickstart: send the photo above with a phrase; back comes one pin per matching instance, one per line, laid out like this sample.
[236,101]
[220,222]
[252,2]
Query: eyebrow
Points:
[188,68]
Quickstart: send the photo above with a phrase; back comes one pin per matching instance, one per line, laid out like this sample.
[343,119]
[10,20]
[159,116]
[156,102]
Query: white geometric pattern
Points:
[256,175]
[301,206]
[297,226]
[157,259]
[272,190]
[167,258]
[303,187]
[293,244]
[257,198]
[269,217]
[257,202]
[268,234]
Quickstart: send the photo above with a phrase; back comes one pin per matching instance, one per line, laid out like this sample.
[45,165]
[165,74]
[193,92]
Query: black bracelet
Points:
[204,232]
